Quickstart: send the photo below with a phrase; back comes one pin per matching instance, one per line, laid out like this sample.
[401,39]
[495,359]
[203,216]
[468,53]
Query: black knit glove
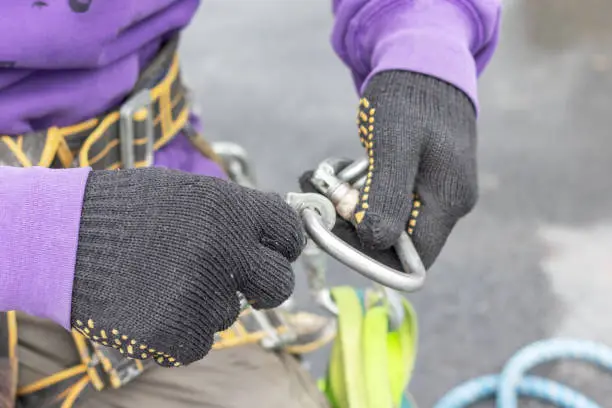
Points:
[162,254]
[420,135]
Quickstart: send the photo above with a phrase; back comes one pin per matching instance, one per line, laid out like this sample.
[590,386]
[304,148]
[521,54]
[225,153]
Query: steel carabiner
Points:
[342,197]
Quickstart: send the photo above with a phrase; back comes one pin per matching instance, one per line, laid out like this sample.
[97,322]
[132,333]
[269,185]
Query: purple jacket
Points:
[73,48]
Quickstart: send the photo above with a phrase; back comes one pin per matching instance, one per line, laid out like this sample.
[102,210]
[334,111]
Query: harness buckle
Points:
[136,112]
[126,371]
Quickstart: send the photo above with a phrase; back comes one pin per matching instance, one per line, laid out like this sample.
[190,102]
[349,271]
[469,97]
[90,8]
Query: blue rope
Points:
[512,382]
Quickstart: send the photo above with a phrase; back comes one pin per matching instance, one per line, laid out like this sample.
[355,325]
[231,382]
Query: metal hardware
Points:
[138,102]
[236,162]
[344,198]
[315,262]
[339,195]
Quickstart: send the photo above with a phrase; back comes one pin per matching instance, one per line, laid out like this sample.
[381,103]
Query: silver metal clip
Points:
[337,187]
[236,162]
[138,102]
[315,263]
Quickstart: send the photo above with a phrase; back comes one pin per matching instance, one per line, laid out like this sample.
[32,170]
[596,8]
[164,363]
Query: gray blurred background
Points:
[534,260]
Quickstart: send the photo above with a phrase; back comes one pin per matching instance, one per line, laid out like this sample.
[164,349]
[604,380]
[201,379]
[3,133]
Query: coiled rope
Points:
[513,381]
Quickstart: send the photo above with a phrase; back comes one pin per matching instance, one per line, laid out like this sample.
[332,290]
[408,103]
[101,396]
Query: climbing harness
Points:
[513,381]
[156,111]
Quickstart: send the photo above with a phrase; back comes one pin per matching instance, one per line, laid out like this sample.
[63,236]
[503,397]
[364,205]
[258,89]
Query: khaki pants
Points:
[246,376]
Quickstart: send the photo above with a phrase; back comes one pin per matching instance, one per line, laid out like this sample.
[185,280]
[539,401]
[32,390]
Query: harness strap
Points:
[157,108]
[60,390]
[8,359]
[104,367]
[308,332]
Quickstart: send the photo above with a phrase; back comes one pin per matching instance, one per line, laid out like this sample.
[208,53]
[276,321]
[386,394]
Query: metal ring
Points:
[354,170]
[363,264]
[317,203]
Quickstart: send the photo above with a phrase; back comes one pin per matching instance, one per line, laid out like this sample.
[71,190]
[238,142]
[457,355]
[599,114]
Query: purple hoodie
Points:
[70,50]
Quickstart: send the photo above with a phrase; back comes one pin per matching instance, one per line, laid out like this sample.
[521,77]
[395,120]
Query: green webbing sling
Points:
[370,366]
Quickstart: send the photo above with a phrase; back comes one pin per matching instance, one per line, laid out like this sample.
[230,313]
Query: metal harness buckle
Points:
[127,123]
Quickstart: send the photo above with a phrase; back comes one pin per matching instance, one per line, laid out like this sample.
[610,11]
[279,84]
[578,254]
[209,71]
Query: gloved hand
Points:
[420,135]
[162,253]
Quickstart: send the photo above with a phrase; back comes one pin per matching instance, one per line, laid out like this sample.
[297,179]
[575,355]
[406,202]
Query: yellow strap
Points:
[107,122]
[57,146]
[13,361]
[16,150]
[12,330]
[81,345]
[75,392]
[52,379]
[312,346]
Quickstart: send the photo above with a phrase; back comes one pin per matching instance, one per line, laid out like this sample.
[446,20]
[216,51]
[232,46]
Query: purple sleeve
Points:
[449,39]
[40,211]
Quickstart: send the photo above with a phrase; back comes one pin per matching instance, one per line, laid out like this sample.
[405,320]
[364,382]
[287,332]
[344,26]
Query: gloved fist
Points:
[162,254]
[420,136]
